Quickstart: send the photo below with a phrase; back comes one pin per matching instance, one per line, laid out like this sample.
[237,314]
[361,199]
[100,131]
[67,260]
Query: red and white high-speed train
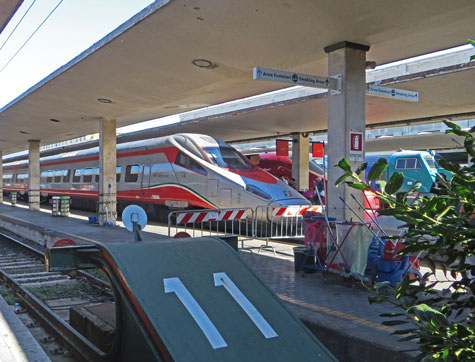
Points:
[179,171]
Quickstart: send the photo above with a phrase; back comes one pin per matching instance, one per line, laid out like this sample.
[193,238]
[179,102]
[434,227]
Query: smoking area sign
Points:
[356,146]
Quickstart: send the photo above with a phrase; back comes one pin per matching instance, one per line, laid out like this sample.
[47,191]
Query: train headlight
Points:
[258,192]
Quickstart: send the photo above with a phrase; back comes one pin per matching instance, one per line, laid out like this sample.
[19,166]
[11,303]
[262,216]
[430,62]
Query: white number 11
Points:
[175,285]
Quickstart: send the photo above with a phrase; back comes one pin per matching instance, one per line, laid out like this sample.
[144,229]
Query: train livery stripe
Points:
[157,194]
[183,192]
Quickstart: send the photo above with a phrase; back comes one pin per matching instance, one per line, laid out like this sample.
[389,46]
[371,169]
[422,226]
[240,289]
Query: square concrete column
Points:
[300,160]
[107,173]
[34,174]
[346,114]
[1,177]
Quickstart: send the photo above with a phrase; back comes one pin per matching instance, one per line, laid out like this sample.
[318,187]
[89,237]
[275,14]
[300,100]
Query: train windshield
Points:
[228,157]
[430,161]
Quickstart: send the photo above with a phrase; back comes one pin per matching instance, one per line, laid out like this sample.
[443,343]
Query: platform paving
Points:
[336,310]
[16,342]
[47,228]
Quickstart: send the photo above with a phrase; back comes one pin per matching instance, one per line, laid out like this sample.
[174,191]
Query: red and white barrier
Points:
[211,215]
[291,211]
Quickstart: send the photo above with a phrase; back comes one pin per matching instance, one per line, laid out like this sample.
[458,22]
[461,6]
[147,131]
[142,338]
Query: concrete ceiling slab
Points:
[447,94]
[7,9]
[145,67]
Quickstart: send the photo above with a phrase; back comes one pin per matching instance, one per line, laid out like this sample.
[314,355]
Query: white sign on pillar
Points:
[307,80]
[386,92]
[356,146]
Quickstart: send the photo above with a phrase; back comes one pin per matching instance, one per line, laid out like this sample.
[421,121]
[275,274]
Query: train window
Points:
[49,176]
[7,177]
[88,172]
[411,163]
[57,175]
[77,174]
[21,177]
[430,161]
[118,171]
[189,145]
[95,172]
[66,175]
[187,162]
[228,157]
[132,173]
[400,164]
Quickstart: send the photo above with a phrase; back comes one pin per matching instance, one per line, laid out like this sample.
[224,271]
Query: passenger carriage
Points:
[173,172]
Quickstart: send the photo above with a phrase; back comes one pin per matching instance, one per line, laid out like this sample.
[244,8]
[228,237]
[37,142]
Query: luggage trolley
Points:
[340,246]
[315,228]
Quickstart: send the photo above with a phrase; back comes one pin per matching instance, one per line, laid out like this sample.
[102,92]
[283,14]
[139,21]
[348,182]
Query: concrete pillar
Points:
[1,176]
[34,175]
[300,160]
[107,177]
[346,114]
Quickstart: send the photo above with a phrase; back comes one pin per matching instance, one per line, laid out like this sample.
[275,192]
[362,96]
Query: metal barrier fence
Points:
[238,221]
[281,222]
[262,223]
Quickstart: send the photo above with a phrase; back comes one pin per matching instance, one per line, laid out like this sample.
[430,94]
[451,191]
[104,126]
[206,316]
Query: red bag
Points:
[391,251]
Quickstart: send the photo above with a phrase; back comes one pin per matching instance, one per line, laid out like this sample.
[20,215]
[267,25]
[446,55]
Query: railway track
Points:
[48,296]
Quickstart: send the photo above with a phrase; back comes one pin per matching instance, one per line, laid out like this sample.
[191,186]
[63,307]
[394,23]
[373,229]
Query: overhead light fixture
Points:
[3,140]
[23,132]
[204,63]
[104,100]
[54,120]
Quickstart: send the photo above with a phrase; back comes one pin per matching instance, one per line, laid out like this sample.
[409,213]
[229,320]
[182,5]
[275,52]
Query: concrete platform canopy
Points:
[176,56]
[7,9]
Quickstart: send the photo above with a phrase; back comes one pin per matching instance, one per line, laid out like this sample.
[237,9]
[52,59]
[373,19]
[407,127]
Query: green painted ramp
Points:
[197,300]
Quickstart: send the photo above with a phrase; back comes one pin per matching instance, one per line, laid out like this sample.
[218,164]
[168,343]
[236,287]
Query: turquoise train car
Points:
[416,166]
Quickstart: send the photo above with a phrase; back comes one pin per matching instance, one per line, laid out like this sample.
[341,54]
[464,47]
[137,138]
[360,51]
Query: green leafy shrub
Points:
[441,230]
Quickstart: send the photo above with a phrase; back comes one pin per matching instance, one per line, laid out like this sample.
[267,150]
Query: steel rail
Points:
[81,347]
[75,273]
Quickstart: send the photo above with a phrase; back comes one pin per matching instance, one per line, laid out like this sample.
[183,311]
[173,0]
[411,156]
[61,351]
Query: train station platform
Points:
[16,342]
[335,310]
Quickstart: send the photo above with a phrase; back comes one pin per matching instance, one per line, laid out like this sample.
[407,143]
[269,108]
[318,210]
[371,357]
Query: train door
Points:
[193,178]
[133,181]
[225,197]
[219,195]
[213,187]
[163,180]
[145,185]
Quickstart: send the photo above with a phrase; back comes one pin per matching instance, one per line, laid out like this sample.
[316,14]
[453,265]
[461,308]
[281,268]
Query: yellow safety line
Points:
[335,313]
